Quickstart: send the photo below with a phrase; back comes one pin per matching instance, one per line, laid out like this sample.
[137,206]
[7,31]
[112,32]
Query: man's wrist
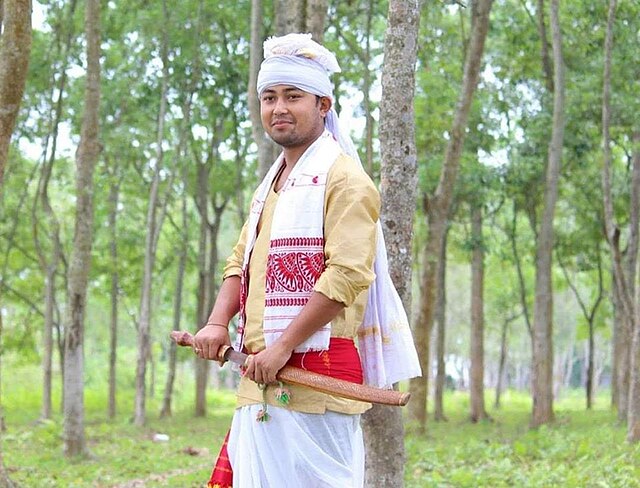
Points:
[216,324]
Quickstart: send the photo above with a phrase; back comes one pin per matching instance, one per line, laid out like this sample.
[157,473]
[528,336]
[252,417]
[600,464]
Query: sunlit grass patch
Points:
[580,449]
[119,452]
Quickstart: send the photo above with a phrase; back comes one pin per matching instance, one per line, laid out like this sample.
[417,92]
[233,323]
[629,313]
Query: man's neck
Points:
[293,154]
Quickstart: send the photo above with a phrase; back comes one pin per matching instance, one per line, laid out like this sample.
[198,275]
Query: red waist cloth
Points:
[341,361]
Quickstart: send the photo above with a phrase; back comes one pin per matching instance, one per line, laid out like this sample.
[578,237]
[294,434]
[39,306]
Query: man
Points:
[299,276]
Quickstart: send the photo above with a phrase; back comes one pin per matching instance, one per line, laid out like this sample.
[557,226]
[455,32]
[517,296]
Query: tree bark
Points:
[476,373]
[165,411]
[205,278]
[267,150]
[438,208]
[542,356]
[366,89]
[50,264]
[521,282]
[290,16]
[441,309]
[503,358]
[547,65]
[633,432]
[619,366]
[622,283]
[315,18]
[86,158]
[203,366]
[114,192]
[383,428]
[155,217]
[15,47]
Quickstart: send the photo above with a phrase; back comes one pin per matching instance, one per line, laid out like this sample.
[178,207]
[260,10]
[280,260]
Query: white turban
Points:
[297,60]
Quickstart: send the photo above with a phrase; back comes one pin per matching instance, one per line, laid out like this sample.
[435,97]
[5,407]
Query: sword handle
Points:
[184,338]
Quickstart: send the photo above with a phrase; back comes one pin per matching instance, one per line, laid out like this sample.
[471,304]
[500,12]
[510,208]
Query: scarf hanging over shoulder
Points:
[296,261]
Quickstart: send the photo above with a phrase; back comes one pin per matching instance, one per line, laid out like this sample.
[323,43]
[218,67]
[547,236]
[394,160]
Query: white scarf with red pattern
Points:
[296,261]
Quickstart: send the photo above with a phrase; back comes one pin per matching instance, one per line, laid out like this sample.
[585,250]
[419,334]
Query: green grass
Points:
[120,453]
[581,449]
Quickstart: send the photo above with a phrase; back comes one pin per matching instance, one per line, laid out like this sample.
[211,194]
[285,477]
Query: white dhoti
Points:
[296,449]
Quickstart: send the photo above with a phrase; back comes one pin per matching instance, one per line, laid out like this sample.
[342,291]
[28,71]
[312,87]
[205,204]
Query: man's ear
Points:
[325,105]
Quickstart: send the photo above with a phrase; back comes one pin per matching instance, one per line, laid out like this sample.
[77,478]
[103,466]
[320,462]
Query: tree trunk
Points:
[542,356]
[621,352]
[267,150]
[50,265]
[589,383]
[15,47]
[185,132]
[383,428]
[439,205]
[633,433]
[315,18]
[203,366]
[114,191]
[290,16]
[204,298]
[155,217]
[366,89]
[441,309]
[547,65]
[476,372]
[86,157]
[47,339]
[521,282]
[503,358]
[622,283]
[589,315]
[177,310]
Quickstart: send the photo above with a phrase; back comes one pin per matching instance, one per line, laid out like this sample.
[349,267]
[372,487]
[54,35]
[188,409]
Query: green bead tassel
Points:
[283,395]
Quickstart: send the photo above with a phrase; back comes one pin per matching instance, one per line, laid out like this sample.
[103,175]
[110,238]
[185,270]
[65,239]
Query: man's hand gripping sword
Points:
[309,379]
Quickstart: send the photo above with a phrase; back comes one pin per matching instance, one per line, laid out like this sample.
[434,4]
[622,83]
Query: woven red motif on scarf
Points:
[293,267]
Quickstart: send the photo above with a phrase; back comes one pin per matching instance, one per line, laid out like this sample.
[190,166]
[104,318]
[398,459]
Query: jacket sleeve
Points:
[352,209]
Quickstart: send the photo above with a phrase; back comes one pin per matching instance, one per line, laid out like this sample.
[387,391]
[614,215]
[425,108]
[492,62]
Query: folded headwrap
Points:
[298,61]
[385,343]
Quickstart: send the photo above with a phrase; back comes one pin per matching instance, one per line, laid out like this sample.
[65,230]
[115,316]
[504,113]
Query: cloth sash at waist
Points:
[340,361]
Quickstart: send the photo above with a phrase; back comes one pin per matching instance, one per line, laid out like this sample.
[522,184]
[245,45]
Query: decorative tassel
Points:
[263,415]
[283,394]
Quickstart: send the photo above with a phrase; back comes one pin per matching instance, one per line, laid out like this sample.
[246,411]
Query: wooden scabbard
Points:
[315,381]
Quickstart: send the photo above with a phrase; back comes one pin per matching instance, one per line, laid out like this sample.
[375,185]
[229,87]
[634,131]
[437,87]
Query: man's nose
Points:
[280,106]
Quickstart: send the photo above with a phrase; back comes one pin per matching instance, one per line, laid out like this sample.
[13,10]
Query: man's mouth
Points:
[280,123]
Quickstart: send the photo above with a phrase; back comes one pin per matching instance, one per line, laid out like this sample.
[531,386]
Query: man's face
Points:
[292,117]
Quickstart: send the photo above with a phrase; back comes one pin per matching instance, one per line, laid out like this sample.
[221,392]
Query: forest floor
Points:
[581,449]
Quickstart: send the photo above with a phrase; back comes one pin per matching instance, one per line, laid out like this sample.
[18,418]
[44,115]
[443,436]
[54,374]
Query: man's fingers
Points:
[212,351]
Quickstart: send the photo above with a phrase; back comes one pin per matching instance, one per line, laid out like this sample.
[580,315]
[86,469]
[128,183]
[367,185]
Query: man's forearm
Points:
[227,302]
[318,312]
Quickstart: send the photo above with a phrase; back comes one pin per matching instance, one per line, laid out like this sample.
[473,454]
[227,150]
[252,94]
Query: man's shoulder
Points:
[345,168]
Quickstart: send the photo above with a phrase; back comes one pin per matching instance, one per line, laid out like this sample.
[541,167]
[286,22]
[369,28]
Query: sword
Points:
[309,379]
